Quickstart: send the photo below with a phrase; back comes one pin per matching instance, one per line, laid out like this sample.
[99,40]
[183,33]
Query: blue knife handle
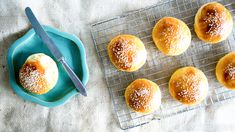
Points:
[76,81]
[42,34]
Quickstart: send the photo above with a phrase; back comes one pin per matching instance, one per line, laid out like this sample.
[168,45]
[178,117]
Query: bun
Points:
[188,85]
[171,36]
[143,96]
[127,52]
[39,74]
[213,23]
[225,71]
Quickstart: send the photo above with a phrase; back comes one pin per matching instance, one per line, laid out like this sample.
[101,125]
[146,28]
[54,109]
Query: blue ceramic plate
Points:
[74,53]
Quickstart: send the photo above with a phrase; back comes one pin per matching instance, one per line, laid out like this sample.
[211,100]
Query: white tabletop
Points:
[95,112]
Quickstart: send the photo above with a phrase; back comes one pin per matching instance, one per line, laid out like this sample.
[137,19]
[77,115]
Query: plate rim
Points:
[26,96]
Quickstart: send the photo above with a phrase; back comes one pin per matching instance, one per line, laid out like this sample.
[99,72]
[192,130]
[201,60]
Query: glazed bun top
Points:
[188,85]
[39,74]
[171,36]
[225,71]
[213,22]
[143,96]
[127,52]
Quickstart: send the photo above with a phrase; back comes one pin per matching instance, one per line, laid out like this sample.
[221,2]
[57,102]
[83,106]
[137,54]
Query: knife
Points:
[54,50]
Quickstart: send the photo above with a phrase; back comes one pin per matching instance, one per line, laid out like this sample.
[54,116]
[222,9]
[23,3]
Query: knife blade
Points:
[54,50]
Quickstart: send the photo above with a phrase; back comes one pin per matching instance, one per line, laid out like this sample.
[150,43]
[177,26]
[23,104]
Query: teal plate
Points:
[74,53]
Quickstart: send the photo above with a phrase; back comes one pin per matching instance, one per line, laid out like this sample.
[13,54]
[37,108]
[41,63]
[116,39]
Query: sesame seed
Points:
[189,87]
[31,79]
[139,98]
[229,72]
[124,52]
[214,21]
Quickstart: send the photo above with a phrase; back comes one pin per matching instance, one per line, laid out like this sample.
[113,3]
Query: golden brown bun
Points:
[171,36]
[225,71]
[39,74]
[127,52]
[143,96]
[188,85]
[213,23]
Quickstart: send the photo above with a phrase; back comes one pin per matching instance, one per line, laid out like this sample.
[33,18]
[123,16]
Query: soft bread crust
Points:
[225,71]
[143,96]
[213,23]
[127,52]
[171,36]
[39,74]
[188,85]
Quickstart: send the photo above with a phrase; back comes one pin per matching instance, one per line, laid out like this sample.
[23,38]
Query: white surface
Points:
[95,112]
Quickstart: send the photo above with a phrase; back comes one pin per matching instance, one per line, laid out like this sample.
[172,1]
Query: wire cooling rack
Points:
[159,67]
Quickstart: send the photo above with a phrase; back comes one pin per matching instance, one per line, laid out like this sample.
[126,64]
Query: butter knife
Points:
[54,50]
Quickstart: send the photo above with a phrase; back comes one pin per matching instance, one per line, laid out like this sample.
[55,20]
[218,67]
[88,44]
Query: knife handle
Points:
[76,81]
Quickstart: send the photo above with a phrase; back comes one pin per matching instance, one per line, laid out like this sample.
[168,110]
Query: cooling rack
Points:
[159,67]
